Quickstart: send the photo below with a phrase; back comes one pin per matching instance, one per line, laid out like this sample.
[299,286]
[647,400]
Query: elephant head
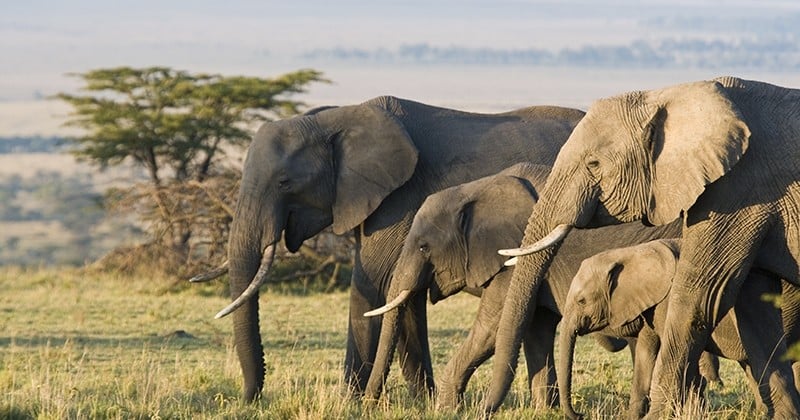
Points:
[332,166]
[638,156]
[610,290]
[452,246]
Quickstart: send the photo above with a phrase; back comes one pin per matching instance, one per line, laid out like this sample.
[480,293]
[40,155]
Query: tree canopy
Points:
[165,119]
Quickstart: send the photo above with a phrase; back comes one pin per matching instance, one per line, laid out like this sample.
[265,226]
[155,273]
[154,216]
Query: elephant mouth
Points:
[438,291]
[292,238]
[302,224]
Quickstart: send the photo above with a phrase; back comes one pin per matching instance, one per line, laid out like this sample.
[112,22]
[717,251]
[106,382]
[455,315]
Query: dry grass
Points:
[92,346]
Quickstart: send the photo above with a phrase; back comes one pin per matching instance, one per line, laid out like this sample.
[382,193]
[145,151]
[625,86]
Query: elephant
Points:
[721,156]
[452,245]
[623,292]
[365,169]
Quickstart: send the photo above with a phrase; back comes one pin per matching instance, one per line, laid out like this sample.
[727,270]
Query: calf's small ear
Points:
[639,280]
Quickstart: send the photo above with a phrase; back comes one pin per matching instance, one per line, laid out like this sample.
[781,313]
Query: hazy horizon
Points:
[461,47]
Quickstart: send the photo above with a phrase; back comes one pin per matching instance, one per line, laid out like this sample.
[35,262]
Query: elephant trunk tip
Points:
[401,297]
[557,235]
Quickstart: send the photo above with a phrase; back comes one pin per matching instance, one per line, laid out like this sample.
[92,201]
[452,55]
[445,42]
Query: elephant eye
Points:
[581,301]
[283,184]
[424,249]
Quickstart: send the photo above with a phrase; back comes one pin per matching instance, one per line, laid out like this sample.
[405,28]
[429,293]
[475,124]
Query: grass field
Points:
[76,345]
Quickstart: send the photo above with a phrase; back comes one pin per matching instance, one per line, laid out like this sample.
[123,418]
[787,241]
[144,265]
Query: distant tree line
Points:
[772,53]
[31,144]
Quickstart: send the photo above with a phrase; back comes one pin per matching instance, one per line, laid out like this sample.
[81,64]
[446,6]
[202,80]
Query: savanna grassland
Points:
[87,345]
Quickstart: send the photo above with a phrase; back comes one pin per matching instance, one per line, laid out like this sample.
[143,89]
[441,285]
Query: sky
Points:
[42,42]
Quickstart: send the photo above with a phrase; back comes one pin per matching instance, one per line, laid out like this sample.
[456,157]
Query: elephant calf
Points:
[452,246]
[623,292]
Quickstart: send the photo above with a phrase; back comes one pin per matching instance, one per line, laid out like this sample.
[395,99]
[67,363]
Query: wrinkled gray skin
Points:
[452,246]
[623,292]
[366,168]
[723,156]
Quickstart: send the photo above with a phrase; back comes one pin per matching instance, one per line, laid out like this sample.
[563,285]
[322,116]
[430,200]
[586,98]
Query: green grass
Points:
[76,345]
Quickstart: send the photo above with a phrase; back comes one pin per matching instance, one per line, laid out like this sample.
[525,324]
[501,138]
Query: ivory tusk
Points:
[211,275]
[554,237]
[252,289]
[401,297]
[511,262]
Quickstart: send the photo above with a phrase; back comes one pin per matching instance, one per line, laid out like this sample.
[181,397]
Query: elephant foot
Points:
[655,414]
[636,412]
[572,414]
[544,398]
[448,400]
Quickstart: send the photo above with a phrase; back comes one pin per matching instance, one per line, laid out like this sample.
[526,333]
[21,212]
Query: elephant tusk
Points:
[554,237]
[401,297]
[252,289]
[211,275]
[511,262]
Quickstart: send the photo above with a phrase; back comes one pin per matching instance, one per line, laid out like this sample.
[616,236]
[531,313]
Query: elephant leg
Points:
[761,330]
[646,349]
[362,332]
[709,368]
[790,312]
[538,344]
[682,342]
[413,349]
[753,385]
[371,269]
[712,267]
[476,349]
[796,374]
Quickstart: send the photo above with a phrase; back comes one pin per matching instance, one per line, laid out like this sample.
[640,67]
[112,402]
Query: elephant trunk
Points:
[551,220]
[246,334]
[566,344]
[407,278]
[516,315]
[247,268]
[383,358]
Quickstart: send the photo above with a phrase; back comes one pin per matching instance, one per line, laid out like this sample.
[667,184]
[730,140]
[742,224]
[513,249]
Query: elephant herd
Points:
[657,218]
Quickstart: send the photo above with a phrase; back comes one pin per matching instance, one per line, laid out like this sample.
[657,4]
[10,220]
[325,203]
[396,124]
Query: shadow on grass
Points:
[175,339]
[15,413]
[178,339]
[447,333]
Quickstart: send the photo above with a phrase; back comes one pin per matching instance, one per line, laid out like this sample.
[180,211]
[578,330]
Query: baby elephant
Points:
[622,292]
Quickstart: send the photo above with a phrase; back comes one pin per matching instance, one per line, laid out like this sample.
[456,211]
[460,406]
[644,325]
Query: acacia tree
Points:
[179,127]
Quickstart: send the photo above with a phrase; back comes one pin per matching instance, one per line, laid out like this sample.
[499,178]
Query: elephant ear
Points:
[640,278]
[695,135]
[495,219]
[373,155]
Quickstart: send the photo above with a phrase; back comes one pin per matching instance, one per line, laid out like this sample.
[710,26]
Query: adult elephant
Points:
[723,155]
[452,246]
[365,168]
